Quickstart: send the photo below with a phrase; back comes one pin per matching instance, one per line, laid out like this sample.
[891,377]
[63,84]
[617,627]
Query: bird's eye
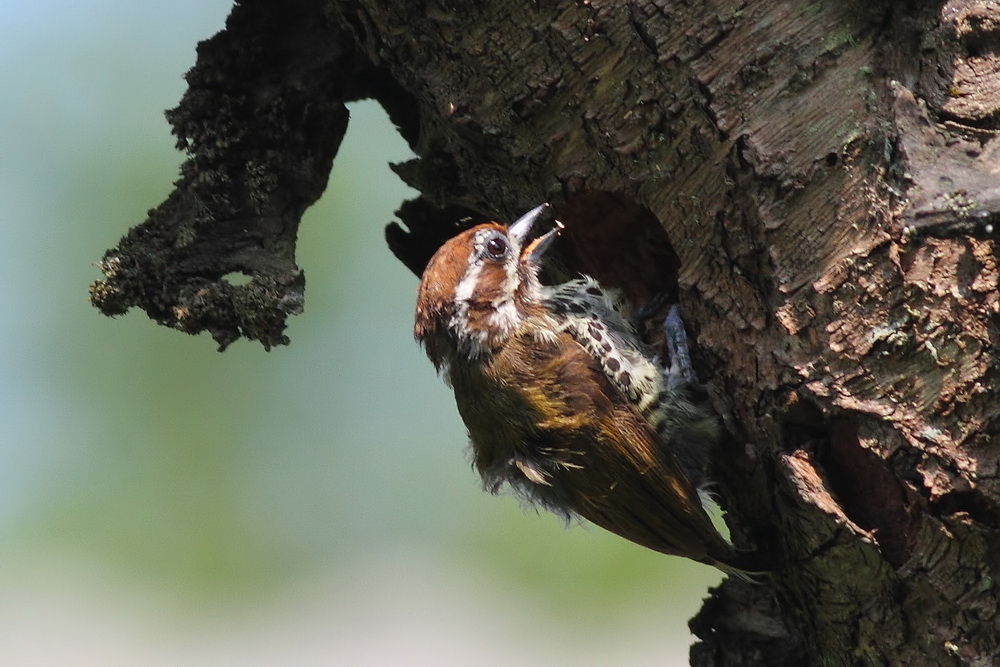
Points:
[497,247]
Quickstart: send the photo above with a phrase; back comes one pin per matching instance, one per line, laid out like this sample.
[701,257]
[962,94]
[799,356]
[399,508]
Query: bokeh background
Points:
[164,504]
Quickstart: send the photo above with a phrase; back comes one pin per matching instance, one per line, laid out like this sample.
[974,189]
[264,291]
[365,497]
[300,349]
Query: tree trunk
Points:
[817,183]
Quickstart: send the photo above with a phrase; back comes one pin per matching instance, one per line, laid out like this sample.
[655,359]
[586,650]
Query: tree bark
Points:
[817,183]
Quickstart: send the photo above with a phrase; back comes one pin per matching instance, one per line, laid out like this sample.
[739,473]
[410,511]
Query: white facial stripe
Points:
[467,285]
[510,267]
[463,292]
[505,316]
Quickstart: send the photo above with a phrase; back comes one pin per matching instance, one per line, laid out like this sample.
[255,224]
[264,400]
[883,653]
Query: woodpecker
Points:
[562,400]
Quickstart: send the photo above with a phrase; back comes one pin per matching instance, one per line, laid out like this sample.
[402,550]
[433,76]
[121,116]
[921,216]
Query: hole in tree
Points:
[619,243]
[237,278]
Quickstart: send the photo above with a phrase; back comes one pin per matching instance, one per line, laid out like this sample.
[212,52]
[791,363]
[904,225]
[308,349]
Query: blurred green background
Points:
[161,503]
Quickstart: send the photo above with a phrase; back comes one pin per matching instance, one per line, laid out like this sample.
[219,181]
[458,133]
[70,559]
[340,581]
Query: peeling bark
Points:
[817,183]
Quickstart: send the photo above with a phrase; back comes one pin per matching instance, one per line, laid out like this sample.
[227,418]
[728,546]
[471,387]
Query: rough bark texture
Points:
[818,183]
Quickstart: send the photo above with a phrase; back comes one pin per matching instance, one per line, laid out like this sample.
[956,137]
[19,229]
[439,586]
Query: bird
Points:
[562,401]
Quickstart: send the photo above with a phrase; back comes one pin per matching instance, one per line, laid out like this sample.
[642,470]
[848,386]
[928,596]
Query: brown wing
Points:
[548,420]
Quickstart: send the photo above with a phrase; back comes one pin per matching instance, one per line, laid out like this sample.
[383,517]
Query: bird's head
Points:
[479,286]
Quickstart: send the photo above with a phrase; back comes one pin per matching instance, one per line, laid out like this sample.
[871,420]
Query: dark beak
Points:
[520,229]
[537,248]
